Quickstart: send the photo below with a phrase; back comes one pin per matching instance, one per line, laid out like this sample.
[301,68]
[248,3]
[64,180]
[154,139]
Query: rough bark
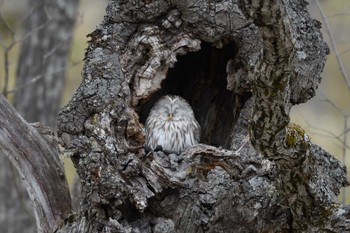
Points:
[34,153]
[242,65]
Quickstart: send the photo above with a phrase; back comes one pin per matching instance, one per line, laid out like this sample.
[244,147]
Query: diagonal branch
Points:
[36,159]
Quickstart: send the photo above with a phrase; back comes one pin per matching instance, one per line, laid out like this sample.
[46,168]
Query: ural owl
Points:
[172,125]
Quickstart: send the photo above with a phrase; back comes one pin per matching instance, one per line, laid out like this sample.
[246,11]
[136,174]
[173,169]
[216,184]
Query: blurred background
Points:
[325,118]
[14,14]
[42,46]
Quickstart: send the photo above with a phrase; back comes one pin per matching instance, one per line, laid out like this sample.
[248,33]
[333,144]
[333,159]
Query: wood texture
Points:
[16,209]
[35,156]
[261,173]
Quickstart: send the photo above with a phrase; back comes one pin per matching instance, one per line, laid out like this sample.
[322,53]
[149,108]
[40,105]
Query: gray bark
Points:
[242,65]
[278,181]
[34,153]
[16,212]
[47,34]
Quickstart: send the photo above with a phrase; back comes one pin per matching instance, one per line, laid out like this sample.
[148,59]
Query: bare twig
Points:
[332,103]
[29,34]
[52,51]
[28,83]
[40,76]
[334,46]
[13,41]
[345,51]
[326,133]
[7,49]
[344,11]
[342,137]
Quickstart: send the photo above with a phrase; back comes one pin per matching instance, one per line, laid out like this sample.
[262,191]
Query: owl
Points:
[172,125]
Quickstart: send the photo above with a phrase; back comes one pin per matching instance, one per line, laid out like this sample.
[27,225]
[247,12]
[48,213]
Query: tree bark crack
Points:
[241,65]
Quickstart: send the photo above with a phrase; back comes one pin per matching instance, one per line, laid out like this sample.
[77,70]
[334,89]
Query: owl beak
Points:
[170,117]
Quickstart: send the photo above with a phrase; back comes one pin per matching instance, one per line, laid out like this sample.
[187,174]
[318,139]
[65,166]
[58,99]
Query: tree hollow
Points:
[200,77]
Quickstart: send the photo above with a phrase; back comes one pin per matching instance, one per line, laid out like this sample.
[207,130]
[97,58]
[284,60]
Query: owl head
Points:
[172,108]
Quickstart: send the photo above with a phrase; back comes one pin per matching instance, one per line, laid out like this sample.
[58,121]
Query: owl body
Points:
[172,125]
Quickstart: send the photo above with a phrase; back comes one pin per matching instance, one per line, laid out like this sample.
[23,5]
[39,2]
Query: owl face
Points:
[172,125]
[172,109]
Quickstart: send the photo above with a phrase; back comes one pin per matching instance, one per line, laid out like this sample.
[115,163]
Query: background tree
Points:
[45,43]
[44,59]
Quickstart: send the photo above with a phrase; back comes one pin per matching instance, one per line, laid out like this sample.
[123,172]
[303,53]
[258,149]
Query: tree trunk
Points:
[43,59]
[242,65]
[47,34]
[16,212]
[34,152]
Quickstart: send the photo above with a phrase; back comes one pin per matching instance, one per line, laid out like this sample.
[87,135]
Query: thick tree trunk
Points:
[242,65]
[47,34]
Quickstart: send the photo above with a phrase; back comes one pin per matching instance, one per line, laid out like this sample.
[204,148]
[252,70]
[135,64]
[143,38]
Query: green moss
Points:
[295,135]
[326,213]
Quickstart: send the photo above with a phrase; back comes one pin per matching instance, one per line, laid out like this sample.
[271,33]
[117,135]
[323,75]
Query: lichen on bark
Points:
[258,174]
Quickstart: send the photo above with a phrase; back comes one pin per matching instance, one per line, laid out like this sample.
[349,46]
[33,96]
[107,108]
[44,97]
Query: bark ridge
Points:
[241,65]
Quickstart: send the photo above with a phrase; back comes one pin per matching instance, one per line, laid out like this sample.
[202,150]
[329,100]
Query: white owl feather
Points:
[172,125]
